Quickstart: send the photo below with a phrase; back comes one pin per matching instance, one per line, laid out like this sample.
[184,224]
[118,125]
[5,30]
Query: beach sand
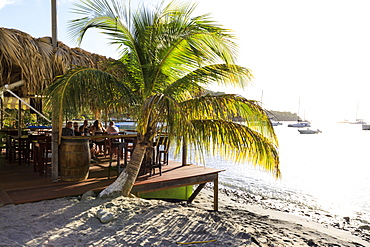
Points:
[73,221]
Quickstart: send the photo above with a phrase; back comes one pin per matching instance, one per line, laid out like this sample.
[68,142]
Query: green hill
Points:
[283,116]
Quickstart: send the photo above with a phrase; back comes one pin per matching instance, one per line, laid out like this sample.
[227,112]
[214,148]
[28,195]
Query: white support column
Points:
[19,119]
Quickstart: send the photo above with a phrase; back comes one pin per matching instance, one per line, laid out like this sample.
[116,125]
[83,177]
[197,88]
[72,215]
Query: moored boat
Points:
[276,123]
[300,125]
[358,121]
[309,131]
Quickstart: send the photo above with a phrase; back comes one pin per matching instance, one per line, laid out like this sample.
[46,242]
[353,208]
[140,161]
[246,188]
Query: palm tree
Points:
[168,58]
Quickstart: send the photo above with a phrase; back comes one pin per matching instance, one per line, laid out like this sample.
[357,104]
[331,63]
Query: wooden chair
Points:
[130,144]
[162,150]
[153,164]
[34,155]
[160,155]
[114,145]
[101,144]
[30,146]
[4,146]
[41,154]
[45,157]
[17,148]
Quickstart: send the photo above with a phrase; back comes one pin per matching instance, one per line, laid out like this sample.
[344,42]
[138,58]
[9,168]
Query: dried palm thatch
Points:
[34,61]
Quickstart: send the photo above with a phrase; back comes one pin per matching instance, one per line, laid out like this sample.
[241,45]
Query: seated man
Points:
[68,130]
[112,129]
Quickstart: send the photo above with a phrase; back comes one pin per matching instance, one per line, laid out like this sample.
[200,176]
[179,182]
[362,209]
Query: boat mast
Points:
[299,107]
[261,97]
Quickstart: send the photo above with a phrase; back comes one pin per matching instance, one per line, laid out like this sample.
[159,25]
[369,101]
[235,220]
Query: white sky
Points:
[314,52]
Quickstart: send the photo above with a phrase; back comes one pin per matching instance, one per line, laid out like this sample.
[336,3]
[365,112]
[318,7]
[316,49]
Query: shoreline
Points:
[140,222]
[316,219]
[355,226]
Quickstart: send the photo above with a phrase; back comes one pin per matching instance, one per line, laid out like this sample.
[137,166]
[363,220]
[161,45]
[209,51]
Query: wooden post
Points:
[215,193]
[196,192]
[2,113]
[54,38]
[55,118]
[184,152]
[19,119]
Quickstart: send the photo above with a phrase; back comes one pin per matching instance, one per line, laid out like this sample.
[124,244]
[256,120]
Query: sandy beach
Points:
[73,221]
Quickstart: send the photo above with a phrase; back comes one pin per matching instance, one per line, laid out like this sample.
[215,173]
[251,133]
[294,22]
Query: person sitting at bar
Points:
[76,129]
[112,129]
[96,130]
[84,129]
[113,142]
[67,130]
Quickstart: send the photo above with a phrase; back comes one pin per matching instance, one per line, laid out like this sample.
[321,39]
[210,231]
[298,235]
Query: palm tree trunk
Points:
[125,181]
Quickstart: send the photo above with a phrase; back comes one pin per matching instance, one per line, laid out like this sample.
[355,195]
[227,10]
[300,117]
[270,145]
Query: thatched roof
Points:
[34,61]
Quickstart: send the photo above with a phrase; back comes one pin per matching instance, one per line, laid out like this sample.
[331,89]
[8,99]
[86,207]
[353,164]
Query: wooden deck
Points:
[20,184]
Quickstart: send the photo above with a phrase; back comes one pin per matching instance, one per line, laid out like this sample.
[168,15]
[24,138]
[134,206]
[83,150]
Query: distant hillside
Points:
[283,116]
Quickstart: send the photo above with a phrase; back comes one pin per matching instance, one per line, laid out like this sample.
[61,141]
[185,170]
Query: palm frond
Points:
[81,88]
[109,16]
[237,142]
[219,74]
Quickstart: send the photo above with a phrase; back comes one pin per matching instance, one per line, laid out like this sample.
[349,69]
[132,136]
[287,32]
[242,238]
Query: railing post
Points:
[184,152]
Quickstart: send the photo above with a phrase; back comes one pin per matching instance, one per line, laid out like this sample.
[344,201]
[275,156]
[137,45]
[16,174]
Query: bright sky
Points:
[314,52]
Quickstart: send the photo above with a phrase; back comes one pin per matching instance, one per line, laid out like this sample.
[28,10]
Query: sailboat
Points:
[300,123]
[358,120]
[309,131]
[274,121]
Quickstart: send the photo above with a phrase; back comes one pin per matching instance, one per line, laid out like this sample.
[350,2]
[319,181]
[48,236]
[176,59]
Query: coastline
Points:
[356,226]
[138,222]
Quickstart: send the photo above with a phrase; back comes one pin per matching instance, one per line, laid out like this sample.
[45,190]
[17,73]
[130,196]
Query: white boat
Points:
[300,125]
[309,131]
[276,123]
[366,127]
[358,121]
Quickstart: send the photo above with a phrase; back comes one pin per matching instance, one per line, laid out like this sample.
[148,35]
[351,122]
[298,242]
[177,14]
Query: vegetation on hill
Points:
[283,116]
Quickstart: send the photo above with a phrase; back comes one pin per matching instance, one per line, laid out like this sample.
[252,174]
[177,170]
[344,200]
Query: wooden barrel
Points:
[74,158]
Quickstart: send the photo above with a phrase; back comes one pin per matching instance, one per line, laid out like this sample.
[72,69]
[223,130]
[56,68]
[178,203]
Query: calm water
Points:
[330,170]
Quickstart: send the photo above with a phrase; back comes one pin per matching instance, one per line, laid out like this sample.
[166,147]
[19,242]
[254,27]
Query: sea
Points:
[329,171]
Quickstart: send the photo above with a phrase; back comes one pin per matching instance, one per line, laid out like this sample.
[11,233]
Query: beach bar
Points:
[23,182]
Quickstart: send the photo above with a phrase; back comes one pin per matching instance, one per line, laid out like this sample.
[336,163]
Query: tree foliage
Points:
[168,59]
